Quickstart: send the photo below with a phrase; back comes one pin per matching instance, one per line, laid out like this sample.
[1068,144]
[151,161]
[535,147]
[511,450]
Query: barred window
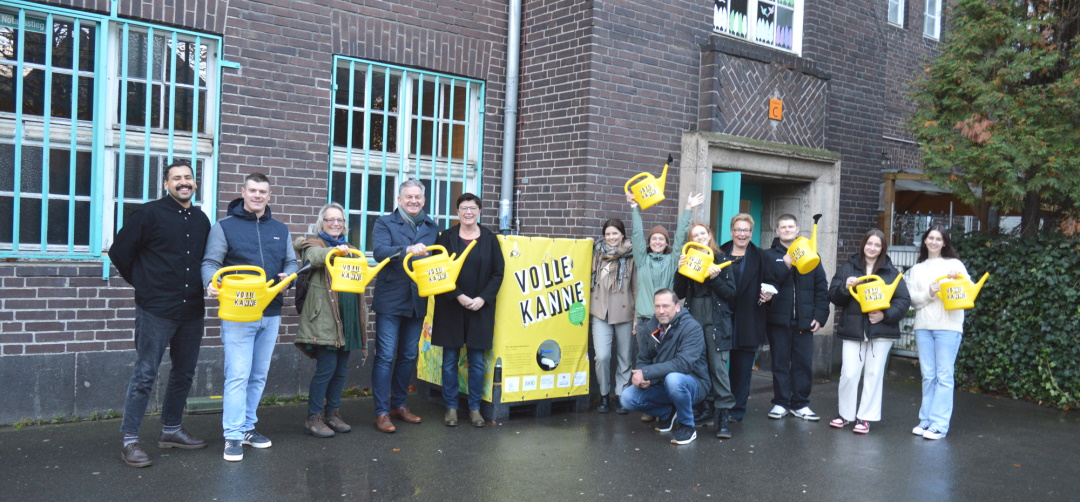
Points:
[392,123]
[88,118]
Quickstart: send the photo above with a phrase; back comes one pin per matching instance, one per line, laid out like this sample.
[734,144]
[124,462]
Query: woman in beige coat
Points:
[612,310]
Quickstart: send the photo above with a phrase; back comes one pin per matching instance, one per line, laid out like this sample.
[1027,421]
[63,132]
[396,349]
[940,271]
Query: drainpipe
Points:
[510,116]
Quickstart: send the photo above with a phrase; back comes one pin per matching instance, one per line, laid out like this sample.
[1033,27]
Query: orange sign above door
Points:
[776,109]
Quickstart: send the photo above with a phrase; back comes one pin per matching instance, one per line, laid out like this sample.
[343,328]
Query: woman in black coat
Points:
[867,337]
[748,305]
[466,315]
[709,303]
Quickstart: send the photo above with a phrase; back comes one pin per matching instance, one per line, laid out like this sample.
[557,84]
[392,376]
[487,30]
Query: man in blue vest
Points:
[399,309]
[249,235]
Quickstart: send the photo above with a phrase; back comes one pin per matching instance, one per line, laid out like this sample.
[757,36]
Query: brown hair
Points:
[873,232]
[712,238]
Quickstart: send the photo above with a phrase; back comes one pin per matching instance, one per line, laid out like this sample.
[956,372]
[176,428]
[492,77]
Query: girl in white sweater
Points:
[937,331]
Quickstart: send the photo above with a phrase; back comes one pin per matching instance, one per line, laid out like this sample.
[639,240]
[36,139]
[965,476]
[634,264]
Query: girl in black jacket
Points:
[867,337]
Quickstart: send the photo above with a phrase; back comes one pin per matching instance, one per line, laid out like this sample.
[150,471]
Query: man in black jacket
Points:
[672,374]
[798,309]
[158,252]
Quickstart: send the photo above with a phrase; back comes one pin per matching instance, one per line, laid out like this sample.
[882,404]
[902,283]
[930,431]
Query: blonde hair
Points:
[742,217]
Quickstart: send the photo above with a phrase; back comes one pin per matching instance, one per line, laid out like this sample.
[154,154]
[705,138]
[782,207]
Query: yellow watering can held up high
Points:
[698,261]
[243,297]
[960,293]
[803,251]
[350,275]
[649,191]
[436,274]
[873,295]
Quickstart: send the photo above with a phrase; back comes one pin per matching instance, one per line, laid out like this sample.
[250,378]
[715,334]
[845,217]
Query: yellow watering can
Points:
[436,274]
[803,251]
[960,293]
[350,275]
[698,261]
[243,297]
[873,295]
[649,191]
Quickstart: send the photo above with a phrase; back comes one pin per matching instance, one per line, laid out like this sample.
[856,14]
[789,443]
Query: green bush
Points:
[1023,336]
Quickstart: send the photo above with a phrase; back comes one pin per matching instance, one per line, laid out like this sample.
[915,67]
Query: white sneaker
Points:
[806,413]
[933,434]
[778,411]
[920,429]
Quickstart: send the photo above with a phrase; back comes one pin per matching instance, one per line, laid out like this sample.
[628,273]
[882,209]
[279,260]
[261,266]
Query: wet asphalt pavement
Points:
[998,449]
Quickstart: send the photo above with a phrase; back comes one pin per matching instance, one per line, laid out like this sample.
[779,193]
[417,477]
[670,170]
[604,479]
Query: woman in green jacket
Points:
[331,324]
[655,262]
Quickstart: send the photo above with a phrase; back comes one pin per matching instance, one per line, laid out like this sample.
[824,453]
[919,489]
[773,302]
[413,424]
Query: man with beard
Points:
[158,251]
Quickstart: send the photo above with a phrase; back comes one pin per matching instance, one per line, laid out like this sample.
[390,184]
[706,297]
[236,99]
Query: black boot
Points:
[723,429]
[605,405]
[703,413]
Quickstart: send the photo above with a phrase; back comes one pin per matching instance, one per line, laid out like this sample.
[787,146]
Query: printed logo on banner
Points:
[547,381]
[564,380]
[511,384]
[528,383]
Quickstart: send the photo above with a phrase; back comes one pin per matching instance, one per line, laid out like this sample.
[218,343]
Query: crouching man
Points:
[672,374]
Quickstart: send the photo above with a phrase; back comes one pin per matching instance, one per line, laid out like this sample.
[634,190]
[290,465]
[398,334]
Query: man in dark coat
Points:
[158,252]
[399,308]
[672,374]
[797,311]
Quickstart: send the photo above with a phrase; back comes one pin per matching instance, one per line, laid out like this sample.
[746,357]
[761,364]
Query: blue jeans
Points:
[792,352]
[153,335]
[741,371]
[397,341]
[329,379]
[477,367]
[677,389]
[248,349]
[937,358]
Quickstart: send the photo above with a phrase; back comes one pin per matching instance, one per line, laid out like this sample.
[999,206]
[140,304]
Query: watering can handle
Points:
[698,244]
[944,277]
[626,187]
[236,268]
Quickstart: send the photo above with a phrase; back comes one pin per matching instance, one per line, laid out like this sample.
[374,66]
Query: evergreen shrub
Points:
[1022,338]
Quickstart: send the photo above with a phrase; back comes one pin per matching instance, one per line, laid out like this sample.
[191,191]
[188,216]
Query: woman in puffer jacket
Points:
[868,337]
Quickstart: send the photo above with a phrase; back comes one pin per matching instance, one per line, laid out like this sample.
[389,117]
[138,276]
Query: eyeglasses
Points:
[468,209]
[334,221]
[742,230]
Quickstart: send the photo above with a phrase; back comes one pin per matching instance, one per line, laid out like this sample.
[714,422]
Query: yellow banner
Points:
[541,330]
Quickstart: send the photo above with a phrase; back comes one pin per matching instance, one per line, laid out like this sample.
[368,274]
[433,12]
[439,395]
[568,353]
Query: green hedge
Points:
[1023,336]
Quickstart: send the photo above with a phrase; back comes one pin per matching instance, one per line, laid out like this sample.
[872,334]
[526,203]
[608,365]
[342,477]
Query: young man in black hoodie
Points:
[798,309]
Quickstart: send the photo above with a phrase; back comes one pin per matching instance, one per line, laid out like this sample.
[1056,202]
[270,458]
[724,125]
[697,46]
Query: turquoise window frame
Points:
[444,174]
[108,137]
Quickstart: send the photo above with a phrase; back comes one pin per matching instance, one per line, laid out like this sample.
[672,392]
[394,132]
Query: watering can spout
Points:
[892,287]
[455,269]
[813,234]
[978,285]
[273,290]
[662,180]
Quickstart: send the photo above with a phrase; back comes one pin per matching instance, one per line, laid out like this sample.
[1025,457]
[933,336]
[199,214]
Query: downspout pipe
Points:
[510,117]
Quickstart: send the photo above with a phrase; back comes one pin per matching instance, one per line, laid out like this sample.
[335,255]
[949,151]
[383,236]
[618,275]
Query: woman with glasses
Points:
[331,323]
[465,317]
[748,305]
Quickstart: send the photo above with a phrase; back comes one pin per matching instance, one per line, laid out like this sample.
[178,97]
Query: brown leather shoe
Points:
[134,456]
[382,422]
[450,418]
[334,421]
[404,414]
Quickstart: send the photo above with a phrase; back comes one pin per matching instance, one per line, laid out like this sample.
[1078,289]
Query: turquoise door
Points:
[730,197]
